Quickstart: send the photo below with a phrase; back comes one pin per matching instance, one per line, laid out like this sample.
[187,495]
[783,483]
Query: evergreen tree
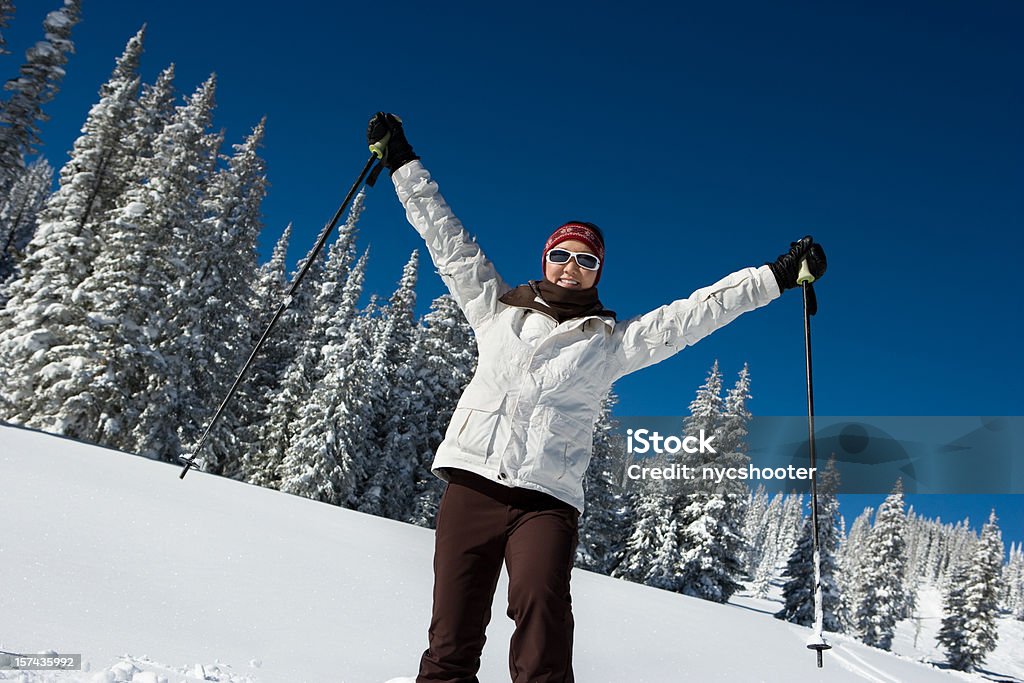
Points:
[45,312]
[305,449]
[1014,580]
[710,541]
[651,553]
[882,596]
[853,561]
[706,411]
[218,262]
[799,591]
[394,370]
[661,532]
[770,547]
[256,394]
[710,571]
[99,168]
[450,357]
[292,392]
[35,87]
[349,404]
[128,374]
[6,11]
[969,629]
[962,544]
[601,546]
[19,213]
[755,529]
[154,110]
[952,634]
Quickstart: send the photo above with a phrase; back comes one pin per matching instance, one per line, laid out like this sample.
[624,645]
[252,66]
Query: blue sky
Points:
[703,138]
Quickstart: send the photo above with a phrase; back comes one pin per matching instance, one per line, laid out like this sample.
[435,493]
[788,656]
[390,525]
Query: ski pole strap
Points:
[371,180]
[812,299]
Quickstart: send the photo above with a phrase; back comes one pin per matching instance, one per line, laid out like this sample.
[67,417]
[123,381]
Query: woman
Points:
[519,442]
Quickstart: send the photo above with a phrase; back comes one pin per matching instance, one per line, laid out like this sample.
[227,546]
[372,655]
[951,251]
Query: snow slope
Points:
[160,579]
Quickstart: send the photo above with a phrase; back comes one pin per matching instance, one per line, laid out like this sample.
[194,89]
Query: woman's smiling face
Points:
[569,274]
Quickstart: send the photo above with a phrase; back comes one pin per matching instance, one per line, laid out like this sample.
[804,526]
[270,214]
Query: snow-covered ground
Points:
[153,579]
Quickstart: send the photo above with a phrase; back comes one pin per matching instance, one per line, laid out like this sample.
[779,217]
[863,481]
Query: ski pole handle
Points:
[805,273]
[378,148]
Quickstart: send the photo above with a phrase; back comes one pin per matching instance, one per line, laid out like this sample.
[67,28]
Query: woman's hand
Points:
[786,267]
[387,129]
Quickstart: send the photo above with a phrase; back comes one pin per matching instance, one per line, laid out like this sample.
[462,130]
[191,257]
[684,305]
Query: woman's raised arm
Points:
[651,338]
[469,275]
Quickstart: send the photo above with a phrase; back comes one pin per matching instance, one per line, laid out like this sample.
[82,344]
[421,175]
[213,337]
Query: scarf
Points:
[561,303]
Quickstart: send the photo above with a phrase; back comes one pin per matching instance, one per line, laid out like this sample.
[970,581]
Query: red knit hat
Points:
[588,233]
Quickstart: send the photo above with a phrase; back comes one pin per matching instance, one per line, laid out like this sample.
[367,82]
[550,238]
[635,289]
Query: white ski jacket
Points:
[526,419]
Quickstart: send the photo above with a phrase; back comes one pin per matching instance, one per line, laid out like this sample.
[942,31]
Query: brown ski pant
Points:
[479,524]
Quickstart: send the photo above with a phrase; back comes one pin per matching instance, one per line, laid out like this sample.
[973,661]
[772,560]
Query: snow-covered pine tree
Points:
[755,529]
[126,395]
[952,634]
[651,553]
[256,394]
[916,547]
[930,560]
[37,85]
[601,545]
[1014,579]
[963,543]
[946,561]
[44,313]
[733,429]
[349,404]
[6,12]
[798,591]
[853,559]
[99,168]
[312,465]
[785,517]
[218,261]
[654,550]
[280,426]
[710,524]
[19,214]
[706,414]
[401,424]
[296,444]
[969,630]
[153,112]
[450,355]
[882,597]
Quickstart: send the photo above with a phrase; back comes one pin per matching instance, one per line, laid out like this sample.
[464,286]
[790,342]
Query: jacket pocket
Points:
[574,440]
[477,423]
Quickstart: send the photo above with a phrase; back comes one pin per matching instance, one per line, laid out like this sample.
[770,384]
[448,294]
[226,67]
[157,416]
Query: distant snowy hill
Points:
[152,579]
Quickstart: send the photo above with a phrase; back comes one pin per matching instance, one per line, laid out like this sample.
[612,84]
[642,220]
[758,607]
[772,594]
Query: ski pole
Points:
[190,462]
[816,642]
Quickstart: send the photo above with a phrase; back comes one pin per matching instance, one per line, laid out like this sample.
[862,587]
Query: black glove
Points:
[397,151]
[787,266]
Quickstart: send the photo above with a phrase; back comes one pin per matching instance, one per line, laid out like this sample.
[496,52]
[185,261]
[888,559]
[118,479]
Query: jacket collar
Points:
[575,322]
